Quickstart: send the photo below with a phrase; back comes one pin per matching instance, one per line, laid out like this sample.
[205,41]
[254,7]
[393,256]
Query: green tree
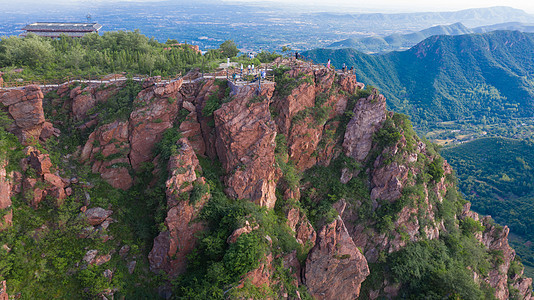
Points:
[229,49]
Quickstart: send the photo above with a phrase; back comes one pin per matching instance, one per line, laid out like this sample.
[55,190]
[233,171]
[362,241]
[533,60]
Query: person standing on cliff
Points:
[328,64]
[296,55]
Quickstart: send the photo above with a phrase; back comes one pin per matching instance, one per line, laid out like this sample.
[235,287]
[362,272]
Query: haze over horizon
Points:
[384,6]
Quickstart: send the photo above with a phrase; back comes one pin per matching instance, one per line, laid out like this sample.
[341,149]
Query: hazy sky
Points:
[340,5]
[407,5]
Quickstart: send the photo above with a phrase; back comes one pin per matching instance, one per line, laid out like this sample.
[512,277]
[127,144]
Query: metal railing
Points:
[87,79]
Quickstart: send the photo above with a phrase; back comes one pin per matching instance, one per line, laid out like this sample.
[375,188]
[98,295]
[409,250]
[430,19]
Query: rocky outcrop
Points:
[389,178]
[3,288]
[335,268]
[86,97]
[369,114]
[495,238]
[301,115]
[156,112]
[25,107]
[304,232]
[172,246]
[6,186]
[108,149]
[97,215]
[300,98]
[245,145]
[192,130]
[40,179]
[48,131]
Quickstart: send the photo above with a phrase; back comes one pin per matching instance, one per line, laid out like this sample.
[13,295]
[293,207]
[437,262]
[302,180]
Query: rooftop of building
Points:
[62,26]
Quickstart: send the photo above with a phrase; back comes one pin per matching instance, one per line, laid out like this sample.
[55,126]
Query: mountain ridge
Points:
[445,78]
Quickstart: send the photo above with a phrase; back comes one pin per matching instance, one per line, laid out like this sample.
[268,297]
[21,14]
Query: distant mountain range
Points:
[253,26]
[397,41]
[445,78]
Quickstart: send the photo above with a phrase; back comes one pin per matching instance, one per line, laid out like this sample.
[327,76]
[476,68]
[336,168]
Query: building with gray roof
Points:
[56,29]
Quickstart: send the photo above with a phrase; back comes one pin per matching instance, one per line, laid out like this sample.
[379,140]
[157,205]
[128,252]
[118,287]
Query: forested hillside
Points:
[496,175]
[482,78]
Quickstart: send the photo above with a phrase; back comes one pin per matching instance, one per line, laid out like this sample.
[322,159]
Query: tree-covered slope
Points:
[495,174]
[479,76]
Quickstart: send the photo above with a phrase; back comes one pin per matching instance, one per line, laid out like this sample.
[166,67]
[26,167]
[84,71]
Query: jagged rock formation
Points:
[369,114]
[40,179]
[172,246]
[495,239]
[245,142]
[108,148]
[335,268]
[312,120]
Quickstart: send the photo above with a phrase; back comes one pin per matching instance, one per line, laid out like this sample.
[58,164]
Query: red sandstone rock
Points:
[302,97]
[25,106]
[245,145]
[172,246]
[157,112]
[240,231]
[335,268]
[97,215]
[82,103]
[5,195]
[182,169]
[102,259]
[3,291]
[110,139]
[261,276]
[192,130]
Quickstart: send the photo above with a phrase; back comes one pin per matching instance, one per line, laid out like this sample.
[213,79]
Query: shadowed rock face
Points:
[369,114]
[172,246]
[108,149]
[6,186]
[335,268]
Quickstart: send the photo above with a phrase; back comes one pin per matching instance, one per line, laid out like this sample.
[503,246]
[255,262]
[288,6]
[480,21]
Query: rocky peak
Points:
[335,267]
[369,114]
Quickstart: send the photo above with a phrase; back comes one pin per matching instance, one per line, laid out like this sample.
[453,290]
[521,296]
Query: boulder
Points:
[97,215]
[48,131]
